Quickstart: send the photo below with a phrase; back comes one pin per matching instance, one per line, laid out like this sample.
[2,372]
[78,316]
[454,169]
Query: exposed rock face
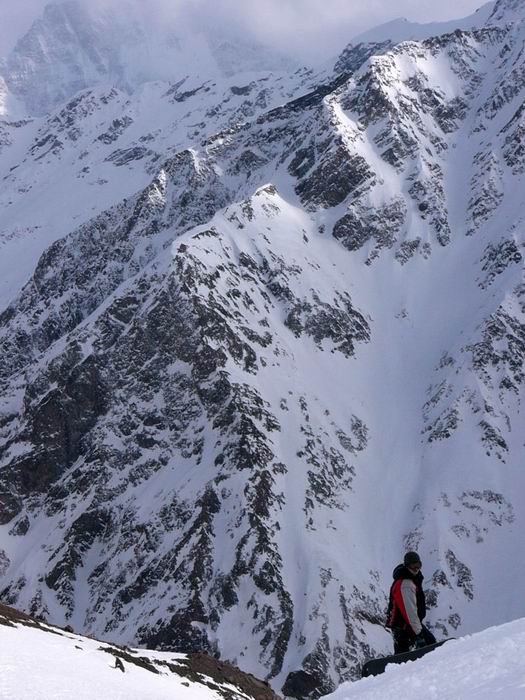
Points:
[232,395]
[216,336]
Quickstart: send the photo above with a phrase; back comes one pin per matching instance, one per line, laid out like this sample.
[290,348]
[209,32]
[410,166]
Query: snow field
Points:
[40,665]
[486,666]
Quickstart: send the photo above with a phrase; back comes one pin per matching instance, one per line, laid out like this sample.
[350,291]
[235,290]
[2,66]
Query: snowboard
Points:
[376,666]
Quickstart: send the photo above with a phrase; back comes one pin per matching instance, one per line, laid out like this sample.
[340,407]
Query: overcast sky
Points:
[305,27]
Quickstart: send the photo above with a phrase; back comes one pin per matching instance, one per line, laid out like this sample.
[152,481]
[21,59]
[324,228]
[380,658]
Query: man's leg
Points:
[429,637]
[402,641]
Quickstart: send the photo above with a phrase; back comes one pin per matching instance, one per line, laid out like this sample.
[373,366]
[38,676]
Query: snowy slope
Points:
[486,666]
[401,29]
[259,339]
[65,665]
[102,146]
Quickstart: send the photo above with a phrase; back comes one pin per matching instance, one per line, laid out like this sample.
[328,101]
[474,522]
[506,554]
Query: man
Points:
[407,607]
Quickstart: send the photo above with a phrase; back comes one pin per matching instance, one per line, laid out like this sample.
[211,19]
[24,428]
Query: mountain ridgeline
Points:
[261,332]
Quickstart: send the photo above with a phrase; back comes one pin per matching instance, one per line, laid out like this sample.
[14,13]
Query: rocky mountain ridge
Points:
[235,395]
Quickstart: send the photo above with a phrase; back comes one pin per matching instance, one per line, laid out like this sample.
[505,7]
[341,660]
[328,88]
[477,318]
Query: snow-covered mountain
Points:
[257,339]
[64,664]
[74,46]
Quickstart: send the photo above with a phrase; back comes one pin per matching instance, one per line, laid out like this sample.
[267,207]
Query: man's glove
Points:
[420,641]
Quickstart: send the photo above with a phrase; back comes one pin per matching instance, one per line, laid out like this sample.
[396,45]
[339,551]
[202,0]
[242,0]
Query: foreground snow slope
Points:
[66,665]
[486,665]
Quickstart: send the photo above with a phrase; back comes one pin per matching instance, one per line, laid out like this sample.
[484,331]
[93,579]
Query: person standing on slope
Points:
[407,606]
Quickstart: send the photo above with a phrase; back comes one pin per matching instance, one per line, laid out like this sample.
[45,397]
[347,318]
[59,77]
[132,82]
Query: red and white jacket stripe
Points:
[405,600]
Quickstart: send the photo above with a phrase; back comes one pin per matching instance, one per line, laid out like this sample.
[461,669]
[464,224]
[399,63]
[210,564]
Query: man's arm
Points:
[408,592]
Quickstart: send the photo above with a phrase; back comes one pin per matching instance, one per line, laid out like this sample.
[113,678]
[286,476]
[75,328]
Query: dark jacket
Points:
[407,606]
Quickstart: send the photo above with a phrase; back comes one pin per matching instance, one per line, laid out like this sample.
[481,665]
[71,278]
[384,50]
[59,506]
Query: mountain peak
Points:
[70,48]
[401,29]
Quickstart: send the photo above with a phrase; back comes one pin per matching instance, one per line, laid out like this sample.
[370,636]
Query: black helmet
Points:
[411,558]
